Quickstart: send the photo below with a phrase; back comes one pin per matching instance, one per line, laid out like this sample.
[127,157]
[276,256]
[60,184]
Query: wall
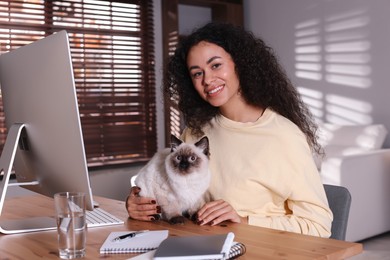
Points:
[336,52]
[191,17]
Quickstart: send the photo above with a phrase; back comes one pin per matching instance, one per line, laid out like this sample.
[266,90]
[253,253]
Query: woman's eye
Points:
[216,65]
[196,74]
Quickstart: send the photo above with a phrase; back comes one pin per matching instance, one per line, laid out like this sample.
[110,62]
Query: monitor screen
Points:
[38,92]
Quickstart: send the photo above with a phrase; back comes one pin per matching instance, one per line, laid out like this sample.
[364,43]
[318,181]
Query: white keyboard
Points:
[99,217]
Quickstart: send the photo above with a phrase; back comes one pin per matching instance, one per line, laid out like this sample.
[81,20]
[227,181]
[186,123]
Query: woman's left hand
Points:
[217,211]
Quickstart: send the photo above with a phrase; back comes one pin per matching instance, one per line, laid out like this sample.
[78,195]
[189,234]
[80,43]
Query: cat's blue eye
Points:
[193,158]
[178,158]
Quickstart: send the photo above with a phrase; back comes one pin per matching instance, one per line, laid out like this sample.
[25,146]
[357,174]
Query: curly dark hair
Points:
[263,82]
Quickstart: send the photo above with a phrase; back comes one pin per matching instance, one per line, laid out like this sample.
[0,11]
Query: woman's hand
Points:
[216,212]
[141,208]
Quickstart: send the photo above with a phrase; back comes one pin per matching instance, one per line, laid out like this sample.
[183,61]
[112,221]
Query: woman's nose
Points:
[207,78]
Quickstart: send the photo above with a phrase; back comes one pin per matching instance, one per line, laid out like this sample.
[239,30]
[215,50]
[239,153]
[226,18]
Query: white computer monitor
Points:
[42,115]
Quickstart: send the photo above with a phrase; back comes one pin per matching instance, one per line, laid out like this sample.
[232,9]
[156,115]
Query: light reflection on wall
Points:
[313,99]
[335,49]
[308,50]
[347,111]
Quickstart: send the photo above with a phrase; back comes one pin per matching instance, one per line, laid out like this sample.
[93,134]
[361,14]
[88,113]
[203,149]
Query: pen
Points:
[128,235]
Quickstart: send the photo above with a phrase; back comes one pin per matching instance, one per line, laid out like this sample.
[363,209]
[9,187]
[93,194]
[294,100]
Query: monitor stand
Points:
[6,163]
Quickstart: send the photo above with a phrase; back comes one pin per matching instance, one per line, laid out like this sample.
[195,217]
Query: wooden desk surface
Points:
[261,243]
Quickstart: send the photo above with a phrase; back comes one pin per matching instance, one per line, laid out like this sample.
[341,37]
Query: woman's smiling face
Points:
[213,74]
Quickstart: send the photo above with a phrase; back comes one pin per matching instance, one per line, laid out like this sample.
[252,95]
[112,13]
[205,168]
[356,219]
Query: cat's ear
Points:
[204,145]
[175,142]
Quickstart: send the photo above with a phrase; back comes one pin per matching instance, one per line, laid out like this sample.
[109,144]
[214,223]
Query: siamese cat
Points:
[178,178]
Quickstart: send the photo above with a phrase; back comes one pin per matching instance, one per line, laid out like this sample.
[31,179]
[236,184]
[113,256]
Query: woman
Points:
[232,89]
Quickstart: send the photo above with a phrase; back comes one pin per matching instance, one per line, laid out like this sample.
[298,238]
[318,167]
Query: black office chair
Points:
[339,200]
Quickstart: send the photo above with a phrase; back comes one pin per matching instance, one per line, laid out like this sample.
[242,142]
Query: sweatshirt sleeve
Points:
[306,204]
[305,217]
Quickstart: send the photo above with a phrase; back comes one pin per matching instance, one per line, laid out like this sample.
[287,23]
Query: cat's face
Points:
[188,158]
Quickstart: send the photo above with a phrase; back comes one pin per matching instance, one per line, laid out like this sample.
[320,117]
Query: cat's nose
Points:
[183,165]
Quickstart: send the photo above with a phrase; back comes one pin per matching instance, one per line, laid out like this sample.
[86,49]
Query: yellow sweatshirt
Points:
[266,171]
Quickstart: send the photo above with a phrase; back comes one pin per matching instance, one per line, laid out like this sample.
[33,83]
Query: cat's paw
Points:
[191,216]
[177,220]
[186,214]
[156,217]
[194,217]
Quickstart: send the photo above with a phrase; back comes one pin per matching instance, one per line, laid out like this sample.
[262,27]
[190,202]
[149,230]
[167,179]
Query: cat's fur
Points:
[178,178]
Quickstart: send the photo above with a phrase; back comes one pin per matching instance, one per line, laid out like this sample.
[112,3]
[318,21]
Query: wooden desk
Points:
[261,243]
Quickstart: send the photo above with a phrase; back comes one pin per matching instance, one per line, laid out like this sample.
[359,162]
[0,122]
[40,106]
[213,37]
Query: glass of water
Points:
[71,225]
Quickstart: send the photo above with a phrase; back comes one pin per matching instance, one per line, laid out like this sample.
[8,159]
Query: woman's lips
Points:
[215,90]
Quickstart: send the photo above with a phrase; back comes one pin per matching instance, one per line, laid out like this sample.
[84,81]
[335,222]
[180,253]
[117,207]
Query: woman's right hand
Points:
[141,208]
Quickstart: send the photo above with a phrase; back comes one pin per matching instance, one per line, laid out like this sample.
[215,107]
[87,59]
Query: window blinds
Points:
[112,46]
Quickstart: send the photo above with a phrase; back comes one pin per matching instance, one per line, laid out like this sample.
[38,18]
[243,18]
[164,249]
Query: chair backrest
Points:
[339,199]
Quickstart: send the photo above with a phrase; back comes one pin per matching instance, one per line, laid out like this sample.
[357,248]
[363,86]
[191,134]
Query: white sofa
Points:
[356,160]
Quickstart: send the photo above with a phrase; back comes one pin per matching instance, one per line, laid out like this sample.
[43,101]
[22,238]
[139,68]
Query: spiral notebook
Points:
[195,247]
[237,250]
[140,243]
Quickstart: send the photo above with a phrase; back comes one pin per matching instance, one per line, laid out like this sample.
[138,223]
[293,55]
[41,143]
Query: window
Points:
[112,46]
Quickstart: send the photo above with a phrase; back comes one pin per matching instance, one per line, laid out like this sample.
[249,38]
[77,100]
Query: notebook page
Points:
[140,243]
